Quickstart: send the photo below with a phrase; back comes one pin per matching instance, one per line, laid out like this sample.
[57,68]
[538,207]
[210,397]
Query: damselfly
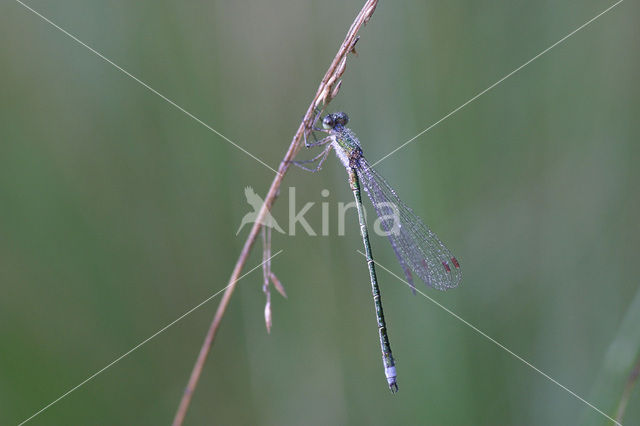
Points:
[417,248]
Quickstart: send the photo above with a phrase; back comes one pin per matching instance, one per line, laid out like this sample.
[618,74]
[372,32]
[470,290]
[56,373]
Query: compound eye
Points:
[341,118]
[328,122]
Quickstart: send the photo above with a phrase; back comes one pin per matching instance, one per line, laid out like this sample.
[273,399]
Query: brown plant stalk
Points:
[328,89]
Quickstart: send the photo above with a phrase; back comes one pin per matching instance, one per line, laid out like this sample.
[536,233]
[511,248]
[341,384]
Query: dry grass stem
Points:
[328,89]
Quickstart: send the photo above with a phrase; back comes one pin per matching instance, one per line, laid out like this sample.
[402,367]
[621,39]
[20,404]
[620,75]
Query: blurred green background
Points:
[118,212]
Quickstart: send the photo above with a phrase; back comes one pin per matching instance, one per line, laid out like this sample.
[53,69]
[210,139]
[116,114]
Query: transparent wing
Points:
[415,245]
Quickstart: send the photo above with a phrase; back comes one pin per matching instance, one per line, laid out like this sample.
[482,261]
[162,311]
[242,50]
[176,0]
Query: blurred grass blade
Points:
[618,364]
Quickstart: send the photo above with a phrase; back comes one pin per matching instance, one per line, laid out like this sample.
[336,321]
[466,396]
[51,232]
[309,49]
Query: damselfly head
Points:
[330,121]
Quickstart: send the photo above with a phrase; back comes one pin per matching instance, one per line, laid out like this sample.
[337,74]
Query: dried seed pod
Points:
[341,67]
[278,285]
[336,89]
[267,316]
